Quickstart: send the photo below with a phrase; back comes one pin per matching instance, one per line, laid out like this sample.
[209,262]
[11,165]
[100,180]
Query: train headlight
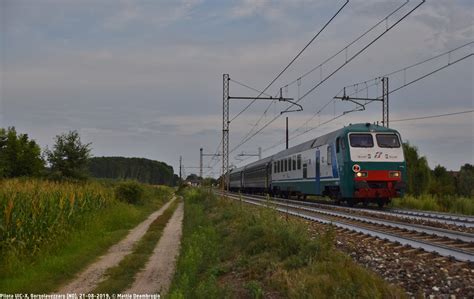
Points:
[362,174]
[394,174]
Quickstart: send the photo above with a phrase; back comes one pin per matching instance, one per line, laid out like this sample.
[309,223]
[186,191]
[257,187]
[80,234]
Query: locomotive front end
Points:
[377,164]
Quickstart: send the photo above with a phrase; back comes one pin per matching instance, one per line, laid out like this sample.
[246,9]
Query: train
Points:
[359,163]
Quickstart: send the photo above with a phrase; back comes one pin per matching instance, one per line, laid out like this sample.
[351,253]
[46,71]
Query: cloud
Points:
[156,14]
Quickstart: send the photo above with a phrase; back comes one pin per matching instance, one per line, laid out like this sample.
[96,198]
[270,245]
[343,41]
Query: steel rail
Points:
[439,232]
[458,254]
[463,221]
[437,215]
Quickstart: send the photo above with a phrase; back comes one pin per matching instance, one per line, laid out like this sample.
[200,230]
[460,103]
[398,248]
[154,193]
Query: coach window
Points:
[289,164]
[285,162]
[294,162]
[329,155]
[299,162]
[274,167]
[338,140]
[305,171]
[279,166]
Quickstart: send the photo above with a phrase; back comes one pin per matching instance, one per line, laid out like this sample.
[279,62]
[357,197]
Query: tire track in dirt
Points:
[157,275]
[88,279]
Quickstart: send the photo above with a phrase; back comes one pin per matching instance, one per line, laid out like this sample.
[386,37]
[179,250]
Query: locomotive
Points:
[360,163]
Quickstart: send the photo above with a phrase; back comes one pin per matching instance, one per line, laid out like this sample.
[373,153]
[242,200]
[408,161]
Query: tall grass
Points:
[36,212]
[427,202]
[233,250]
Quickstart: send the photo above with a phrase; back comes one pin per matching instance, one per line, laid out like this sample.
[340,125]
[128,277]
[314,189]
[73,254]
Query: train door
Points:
[318,172]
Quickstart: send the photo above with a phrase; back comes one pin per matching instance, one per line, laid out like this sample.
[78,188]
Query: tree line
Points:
[70,158]
[140,169]
[439,181]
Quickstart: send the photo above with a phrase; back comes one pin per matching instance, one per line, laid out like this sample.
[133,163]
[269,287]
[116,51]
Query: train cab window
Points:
[298,162]
[361,140]
[329,155]
[387,140]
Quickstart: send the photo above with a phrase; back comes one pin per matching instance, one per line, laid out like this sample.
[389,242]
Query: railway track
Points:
[447,243]
[443,218]
[467,221]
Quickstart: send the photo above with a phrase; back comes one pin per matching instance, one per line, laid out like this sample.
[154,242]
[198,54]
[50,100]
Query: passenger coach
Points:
[358,163]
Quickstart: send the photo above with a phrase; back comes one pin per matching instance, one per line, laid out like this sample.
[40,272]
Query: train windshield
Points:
[388,140]
[361,140]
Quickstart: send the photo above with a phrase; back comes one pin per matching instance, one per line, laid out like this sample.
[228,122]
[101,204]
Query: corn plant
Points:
[36,212]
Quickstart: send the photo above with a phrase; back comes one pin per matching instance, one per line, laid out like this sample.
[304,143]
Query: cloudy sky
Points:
[144,78]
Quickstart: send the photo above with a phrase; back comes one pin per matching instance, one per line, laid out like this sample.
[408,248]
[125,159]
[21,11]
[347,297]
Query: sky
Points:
[144,78]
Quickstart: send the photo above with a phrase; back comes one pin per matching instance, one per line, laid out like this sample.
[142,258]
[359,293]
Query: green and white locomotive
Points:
[358,163]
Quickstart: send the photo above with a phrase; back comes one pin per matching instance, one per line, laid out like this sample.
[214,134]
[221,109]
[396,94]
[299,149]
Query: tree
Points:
[418,171]
[466,180]
[19,156]
[69,156]
[193,178]
[442,183]
[209,181]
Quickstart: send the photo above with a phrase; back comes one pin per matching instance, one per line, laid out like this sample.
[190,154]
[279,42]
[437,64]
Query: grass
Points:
[447,204]
[233,250]
[120,277]
[56,229]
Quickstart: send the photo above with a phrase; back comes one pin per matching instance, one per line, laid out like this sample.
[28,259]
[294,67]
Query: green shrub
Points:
[426,202]
[130,191]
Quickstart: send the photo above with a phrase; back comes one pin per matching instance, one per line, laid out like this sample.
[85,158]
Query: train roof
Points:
[239,169]
[259,162]
[325,139]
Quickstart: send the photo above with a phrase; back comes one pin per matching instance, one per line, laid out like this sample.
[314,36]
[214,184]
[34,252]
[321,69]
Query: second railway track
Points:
[447,243]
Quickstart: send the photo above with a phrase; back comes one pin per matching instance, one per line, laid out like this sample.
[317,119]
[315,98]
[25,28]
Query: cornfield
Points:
[36,212]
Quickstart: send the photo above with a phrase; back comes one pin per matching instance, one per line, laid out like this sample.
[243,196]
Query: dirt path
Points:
[88,279]
[159,270]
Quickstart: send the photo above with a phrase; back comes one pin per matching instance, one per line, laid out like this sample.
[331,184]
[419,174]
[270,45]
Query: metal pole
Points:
[200,162]
[385,101]
[287,132]
[225,134]
[180,167]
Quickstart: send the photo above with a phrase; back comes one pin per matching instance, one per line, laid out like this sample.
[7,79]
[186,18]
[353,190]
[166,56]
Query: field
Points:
[232,250]
[448,204]
[49,230]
